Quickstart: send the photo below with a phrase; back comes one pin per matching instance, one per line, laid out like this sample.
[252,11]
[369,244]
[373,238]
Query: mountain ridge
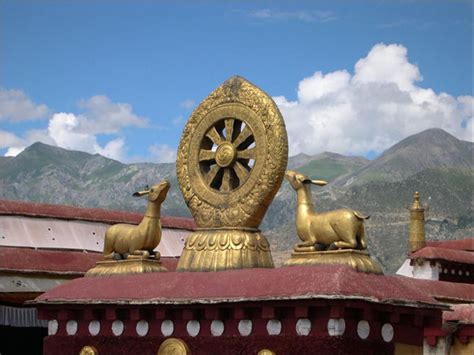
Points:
[430,148]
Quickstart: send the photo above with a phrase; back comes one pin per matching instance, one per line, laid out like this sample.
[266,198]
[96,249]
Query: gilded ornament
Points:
[173,346]
[334,237]
[266,352]
[230,164]
[134,245]
[88,350]
[417,224]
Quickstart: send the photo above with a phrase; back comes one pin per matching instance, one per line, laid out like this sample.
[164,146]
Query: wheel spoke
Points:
[225,187]
[246,154]
[211,175]
[229,129]
[214,136]
[243,136]
[205,154]
[241,171]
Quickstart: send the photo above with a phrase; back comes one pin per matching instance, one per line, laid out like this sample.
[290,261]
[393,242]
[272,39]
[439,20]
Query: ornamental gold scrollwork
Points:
[230,163]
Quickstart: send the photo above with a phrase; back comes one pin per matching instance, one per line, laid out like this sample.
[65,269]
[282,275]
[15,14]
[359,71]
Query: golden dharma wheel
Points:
[232,156]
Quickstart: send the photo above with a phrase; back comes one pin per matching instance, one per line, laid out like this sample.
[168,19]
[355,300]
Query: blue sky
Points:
[82,74]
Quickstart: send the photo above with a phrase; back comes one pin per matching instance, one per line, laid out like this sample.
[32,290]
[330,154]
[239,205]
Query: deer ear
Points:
[319,182]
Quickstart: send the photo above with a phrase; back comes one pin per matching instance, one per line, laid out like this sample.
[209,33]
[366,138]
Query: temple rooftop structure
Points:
[288,310]
[225,294]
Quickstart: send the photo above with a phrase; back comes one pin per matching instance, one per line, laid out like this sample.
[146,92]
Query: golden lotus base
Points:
[125,267]
[357,259]
[224,249]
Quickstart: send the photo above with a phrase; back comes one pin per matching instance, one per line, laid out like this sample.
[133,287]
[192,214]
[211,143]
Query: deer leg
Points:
[346,235]
[109,256]
[361,237]
[345,245]
[307,243]
[139,254]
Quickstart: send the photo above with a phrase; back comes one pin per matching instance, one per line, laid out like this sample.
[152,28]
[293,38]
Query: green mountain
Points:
[328,166]
[44,173]
[432,148]
[432,162]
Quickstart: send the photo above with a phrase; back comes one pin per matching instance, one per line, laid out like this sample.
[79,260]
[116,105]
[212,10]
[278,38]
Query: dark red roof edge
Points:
[55,262]
[453,255]
[44,210]
[460,244]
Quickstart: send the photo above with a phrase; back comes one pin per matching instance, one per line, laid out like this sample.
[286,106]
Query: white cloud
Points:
[115,149]
[80,131]
[13,151]
[66,132]
[372,109]
[16,106]
[301,15]
[8,139]
[387,64]
[162,153]
[63,128]
[102,116]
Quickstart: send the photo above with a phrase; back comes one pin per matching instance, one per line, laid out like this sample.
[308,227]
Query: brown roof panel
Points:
[453,255]
[28,260]
[462,244]
[443,290]
[462,313]
[33,209]
[298,282]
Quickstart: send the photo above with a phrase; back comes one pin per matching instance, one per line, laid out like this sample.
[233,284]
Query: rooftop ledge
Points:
[287,283]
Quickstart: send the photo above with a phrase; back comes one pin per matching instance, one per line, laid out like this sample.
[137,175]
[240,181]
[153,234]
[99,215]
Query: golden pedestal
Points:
[125,267]
[357,259]
[224,249]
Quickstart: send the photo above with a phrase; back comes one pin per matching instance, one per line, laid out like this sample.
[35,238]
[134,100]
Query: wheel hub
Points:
[225,154]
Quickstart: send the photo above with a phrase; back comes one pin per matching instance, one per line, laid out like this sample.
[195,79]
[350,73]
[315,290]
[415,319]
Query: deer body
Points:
[343,228]
[138,241]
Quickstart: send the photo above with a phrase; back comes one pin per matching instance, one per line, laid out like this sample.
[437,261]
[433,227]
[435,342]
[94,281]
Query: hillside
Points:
[432,162]
[44,173]
[432,148]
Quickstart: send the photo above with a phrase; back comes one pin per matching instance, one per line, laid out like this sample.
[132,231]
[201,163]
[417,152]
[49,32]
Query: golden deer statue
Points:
[138,242]
[339,229]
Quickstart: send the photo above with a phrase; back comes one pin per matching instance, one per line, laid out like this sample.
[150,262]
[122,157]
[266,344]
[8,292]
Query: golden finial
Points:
[417,225]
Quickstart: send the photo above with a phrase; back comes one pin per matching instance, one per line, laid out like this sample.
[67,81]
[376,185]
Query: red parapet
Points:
[461,244]
[43,210]
[453,255]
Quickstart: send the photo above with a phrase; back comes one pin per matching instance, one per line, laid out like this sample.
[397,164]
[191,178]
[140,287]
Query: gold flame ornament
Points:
[230,164]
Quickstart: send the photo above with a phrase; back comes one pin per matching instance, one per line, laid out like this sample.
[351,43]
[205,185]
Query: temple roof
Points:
[33,209]
[59,262]
[462,313]
[461,244]
[287,283]
[441,253]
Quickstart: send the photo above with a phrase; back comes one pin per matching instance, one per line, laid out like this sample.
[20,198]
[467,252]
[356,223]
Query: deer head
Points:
[298,180]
